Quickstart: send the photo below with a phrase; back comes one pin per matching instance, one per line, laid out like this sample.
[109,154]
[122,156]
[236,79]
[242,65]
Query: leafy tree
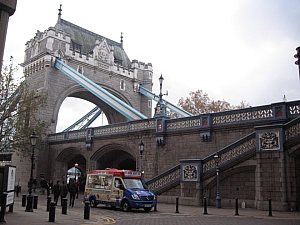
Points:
[18,113]
[198,102]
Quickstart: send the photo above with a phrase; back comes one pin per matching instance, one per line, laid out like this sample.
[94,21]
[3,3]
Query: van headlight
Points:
[135,196]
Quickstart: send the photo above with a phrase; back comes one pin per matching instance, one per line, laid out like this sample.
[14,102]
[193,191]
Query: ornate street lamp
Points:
[218,198]
[33,139]
[141,148]
[161,79]
[76,165]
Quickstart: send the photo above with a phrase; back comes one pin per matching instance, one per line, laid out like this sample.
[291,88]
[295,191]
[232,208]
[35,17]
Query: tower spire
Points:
[58,26]
[59,14]
[122,39]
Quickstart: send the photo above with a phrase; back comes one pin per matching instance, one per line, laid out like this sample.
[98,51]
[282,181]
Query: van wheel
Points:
[93,202]
[126,206]
[147,209]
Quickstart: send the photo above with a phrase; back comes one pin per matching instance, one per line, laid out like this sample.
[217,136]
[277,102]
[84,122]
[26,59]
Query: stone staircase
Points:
[230,156]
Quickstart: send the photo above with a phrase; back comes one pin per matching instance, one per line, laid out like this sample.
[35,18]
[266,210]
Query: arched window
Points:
[122,85]
[80,69]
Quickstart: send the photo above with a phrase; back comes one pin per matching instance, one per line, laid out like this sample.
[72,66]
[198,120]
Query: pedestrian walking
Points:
[56,191]
[44,186]
[34,182]
[63,191]
[73,191]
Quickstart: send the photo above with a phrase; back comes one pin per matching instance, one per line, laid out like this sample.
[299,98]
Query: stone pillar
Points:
[270,181]
[7,9]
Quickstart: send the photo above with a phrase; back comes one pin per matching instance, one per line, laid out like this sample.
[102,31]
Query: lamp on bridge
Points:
[160,109]
[218,198]
[33,139]
[141,148]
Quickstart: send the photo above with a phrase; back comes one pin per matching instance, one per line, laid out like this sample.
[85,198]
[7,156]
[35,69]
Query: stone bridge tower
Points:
[100,59]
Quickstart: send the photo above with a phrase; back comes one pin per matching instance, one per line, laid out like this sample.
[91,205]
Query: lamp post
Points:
[161,79]
[76,165]
[141,148]
[33,139]
[160,109]
[218,198]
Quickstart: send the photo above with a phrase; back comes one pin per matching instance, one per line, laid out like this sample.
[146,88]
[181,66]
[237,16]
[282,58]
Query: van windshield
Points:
[134,183]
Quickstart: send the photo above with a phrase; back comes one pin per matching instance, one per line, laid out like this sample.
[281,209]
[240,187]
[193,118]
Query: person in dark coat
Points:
[73,191]
[51,186]
[34,184]
[44,185]
[56,191]
[63,191]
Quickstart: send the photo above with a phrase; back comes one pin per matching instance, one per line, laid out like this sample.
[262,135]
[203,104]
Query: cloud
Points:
[233,50]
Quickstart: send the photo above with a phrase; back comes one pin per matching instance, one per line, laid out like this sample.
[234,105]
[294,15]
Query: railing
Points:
[165,181]
[232,154]
[105,130]
[292,129]
[283,111]
[229,154]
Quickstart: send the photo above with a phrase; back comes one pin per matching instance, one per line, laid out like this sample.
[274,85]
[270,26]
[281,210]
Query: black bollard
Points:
[35,201]
[48,203]
[205,206]
[23,200]
[177,205]
[86,210]
[3,207]
[52,212]
[64,206]
[236,206]
[270,207]
[155,207]
[29,203]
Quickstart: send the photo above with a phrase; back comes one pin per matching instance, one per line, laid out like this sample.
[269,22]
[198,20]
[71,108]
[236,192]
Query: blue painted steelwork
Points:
[95,112]
[90,121]
[120,106]
[169,105]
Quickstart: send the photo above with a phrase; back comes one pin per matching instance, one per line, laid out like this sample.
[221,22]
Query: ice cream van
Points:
[118,188]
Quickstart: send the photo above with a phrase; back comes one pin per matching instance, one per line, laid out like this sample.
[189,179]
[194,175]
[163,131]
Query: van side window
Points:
[118,183]
[99,182]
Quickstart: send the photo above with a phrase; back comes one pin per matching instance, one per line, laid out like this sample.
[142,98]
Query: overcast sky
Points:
[233,50]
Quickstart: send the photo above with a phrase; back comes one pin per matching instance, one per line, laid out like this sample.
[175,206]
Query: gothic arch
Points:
[78,91]
[64,156]
[114,155]
[228,173]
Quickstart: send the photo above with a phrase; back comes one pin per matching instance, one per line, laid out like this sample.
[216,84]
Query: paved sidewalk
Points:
[165,214]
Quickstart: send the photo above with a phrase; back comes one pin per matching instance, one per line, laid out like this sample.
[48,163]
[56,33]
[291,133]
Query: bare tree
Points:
[198,103]
[18,113]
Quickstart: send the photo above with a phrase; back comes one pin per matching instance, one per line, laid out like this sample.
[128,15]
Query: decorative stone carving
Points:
[103,53]
[269,140]
[190,172]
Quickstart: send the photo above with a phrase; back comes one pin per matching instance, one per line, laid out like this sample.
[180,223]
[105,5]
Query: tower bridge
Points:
[258,147]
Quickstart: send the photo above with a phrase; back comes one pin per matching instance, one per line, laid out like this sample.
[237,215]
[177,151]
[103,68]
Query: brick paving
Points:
[164,215]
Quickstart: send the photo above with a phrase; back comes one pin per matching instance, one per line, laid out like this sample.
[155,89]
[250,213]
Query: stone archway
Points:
[77,91]
[114,156]
[67,159]
[234,183]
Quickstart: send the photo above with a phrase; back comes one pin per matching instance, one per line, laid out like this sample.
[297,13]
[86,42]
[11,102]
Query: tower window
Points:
[80,69]
[122,85]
